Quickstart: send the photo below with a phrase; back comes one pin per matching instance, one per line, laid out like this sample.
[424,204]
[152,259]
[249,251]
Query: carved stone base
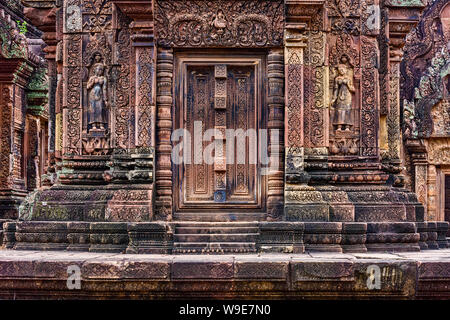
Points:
[221,237]
[432,235]
[422,231]
[323,237]
[442,229]
[89,203]
[392,237]
[349,203]
[154,237]
[9,203]
[281,237]
[354,237]
[2,233]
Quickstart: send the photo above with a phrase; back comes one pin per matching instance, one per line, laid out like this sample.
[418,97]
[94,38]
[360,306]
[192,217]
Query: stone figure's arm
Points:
[105,91]
[90,83]
[335,92]
[351,87]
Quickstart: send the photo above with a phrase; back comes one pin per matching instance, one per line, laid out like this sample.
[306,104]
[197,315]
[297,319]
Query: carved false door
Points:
[221,109]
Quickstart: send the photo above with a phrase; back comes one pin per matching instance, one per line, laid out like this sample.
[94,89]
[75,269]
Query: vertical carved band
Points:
[220,105]
[164,100]
[72,75]
[275,73]
[369,97]
[295,95]
[421,180]
[122,114]
[145,100]
[316,79]
[5,135]
[393,120]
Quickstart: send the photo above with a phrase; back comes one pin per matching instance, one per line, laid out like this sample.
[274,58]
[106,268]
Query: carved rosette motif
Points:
[204,23]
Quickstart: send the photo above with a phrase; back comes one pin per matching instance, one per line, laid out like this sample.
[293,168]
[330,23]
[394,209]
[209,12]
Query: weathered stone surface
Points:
[199,269]
[90,98]
[38,274]
[222,237]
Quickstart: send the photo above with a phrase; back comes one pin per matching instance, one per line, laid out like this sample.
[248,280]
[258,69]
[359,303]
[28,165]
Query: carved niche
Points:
[96,95]
[344,93]
[90,68]
[353,43]
[219,23]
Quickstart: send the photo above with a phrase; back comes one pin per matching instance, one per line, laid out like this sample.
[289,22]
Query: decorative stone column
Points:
[275,74]
[420,166]
[164,100]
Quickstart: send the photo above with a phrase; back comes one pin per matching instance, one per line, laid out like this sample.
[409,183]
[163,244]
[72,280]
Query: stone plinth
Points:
[33,274]
[224,237]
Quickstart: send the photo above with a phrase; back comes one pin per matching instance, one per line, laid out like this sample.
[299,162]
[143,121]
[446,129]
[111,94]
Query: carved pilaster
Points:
[306,127]
[140,14]
[306,120]
[420,167]
[5,138]
[71,109]
[394,139]
[295,44]
[402,18]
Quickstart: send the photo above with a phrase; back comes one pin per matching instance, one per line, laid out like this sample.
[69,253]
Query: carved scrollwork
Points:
[219,23]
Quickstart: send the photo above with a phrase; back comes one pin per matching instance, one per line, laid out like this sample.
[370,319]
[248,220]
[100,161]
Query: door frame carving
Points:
[273,71]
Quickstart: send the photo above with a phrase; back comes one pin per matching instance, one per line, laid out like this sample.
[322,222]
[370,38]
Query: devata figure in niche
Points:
[342,97]
[97,87]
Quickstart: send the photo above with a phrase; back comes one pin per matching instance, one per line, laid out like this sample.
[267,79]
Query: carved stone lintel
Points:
[219,24]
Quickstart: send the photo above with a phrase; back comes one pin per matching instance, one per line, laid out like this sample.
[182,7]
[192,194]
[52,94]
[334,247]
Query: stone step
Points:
[215,247]
[220,216]
[233,237]
[215,230]
[198,224]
